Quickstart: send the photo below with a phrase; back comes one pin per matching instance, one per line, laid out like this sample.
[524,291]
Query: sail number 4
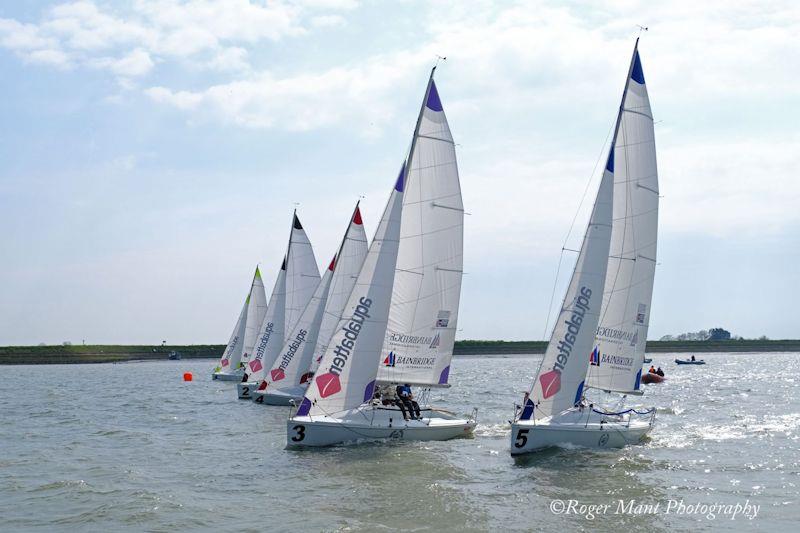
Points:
[301,433]
[522,438]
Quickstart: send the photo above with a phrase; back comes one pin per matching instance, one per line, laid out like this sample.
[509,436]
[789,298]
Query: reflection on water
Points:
[131,446]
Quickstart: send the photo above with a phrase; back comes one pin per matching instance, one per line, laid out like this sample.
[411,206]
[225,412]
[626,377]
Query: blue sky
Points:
[153,151]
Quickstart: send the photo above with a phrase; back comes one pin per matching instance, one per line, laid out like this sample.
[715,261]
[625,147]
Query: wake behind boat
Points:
[418,251]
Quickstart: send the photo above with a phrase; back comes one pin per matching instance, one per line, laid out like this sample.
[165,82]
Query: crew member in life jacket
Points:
[660,372]
[652,370]
[405,400]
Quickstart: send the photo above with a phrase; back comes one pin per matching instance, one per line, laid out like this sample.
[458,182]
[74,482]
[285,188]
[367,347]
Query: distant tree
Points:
[719,334]
[42,344]
[667,338]
[66,343]
[763,338]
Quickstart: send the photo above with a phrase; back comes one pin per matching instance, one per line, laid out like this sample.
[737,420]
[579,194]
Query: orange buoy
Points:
[187,376]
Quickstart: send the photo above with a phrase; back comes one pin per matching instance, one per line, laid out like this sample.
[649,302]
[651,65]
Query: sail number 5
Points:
[301,433]
[522,438]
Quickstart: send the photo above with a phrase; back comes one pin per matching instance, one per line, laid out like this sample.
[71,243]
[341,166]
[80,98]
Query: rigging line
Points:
[569,232]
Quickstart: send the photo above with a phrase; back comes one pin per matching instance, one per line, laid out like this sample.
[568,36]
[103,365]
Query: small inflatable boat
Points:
[690,362]
[652,378]
[648,360]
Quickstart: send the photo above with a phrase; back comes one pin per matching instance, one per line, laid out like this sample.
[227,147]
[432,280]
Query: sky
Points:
[152,153]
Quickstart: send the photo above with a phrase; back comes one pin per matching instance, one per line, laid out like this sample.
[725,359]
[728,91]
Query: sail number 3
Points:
[301,433]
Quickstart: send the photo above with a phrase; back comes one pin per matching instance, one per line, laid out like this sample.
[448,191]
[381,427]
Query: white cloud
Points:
[328,21]
[209,33]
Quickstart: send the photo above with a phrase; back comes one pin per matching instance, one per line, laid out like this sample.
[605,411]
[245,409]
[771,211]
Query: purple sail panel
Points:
[305,407]
[369,391]
[433,103]
[401,179]
[444,375]
[637,74]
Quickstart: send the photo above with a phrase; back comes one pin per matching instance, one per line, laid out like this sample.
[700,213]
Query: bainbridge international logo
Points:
[390,360]
[594,357]
[435,342]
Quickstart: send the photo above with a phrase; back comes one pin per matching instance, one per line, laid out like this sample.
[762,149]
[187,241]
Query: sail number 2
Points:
[301,433]
[522,438]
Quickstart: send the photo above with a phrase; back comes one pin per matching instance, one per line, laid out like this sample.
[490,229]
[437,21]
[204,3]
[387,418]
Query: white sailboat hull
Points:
[279,397]
[375,423]
[245,390]
[228,376]
[584,428]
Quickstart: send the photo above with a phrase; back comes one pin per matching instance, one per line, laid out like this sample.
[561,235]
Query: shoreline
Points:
[32,355]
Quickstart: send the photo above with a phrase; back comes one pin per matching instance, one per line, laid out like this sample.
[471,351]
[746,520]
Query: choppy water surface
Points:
[130,446]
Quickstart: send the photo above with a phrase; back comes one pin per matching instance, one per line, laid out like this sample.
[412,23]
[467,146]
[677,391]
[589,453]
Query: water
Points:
[132,447]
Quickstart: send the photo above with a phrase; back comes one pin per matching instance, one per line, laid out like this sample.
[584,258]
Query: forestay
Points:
[558,384]
[427,281]
[616,361]
[349,261]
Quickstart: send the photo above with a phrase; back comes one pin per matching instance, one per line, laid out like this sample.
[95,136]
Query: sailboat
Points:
[294,286]
[605,313]
[240,344]
[413,265]
[288,378]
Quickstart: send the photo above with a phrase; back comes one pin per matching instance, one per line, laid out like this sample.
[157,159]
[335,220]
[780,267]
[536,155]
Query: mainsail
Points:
[270,335]
[558,384]
[349,261]
[302,274]
[233,351]
[291,287]
[256,309]
[427,281]
[616,361]
[290,368]
[349,366]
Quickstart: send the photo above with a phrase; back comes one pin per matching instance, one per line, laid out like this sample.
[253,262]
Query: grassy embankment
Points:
[111,354]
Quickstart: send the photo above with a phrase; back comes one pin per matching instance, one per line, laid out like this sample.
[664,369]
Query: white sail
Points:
[233,351]
[256,309]
[616,361]
[302,275]
[349,261]
[427,282]
[270,335]
[290,368]
[349,365]
[559,383]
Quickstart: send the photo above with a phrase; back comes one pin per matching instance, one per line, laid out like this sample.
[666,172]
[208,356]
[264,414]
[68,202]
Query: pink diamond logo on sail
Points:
[255,365]
[594,357]
[328,384]
[225,362]
[551,383]
[277,374]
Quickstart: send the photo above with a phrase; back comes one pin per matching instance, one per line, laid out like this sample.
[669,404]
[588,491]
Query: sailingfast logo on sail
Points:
[329,383]
[279,373]
[255,364]
[551,381]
